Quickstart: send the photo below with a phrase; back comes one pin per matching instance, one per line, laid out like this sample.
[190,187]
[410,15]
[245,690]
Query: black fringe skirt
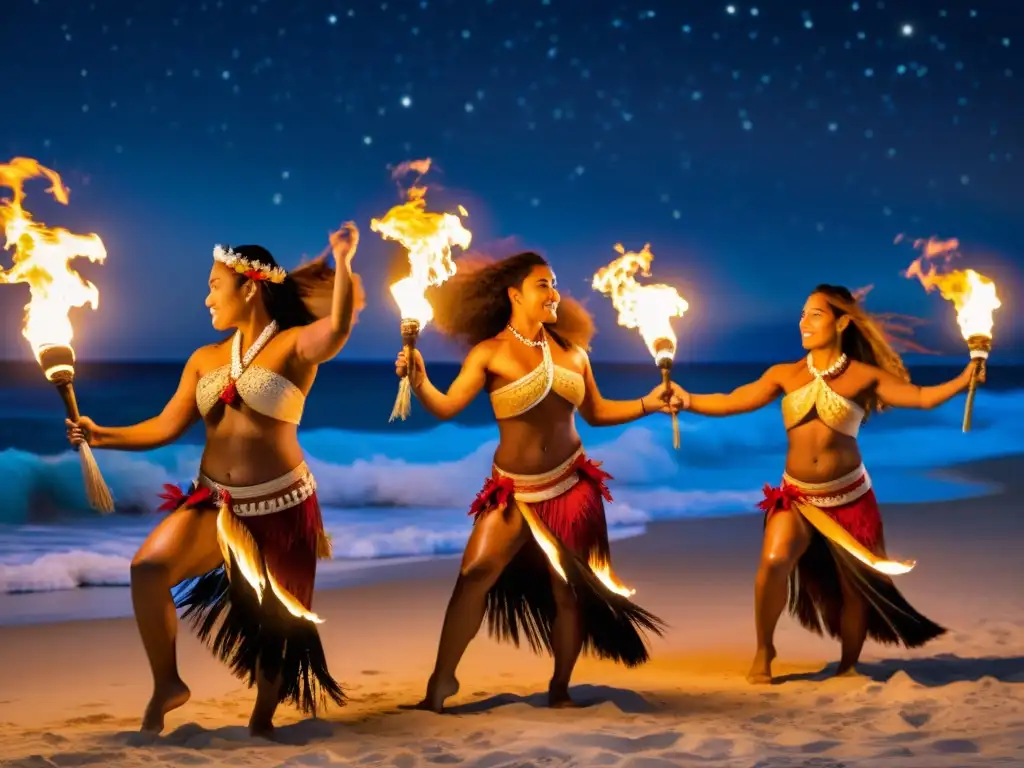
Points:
[271,633]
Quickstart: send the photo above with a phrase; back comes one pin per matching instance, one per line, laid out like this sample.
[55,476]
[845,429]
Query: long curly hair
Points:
[871,338]
[306,293]
[473,305]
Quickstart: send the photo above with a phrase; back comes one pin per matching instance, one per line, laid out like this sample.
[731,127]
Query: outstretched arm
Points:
[749,397]
[178,415]
[467,385]
[599,412]
[897,393]
[321,340]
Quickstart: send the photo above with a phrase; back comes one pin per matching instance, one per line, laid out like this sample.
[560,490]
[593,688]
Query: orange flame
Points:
[973,295]
[428,237]
[603,570]
[649,308]
[42,259]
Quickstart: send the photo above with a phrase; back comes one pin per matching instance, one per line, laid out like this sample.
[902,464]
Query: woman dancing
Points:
[823,532]
[248,532]
[538,561]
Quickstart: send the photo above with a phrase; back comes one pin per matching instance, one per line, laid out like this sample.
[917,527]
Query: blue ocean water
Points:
[402,489]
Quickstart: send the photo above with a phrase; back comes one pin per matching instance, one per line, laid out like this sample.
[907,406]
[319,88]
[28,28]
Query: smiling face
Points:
[537,297]
[820,327]
[226,300]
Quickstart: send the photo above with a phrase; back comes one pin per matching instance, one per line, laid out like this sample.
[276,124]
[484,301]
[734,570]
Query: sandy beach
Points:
[72,694]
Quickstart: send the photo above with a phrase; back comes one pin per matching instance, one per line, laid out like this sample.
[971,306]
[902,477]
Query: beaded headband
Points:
[254,270]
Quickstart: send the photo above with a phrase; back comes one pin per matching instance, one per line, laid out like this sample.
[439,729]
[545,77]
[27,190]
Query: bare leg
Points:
[853,626]
[568,642]
[268,691]
[786,538]
[496,538]
[182,546]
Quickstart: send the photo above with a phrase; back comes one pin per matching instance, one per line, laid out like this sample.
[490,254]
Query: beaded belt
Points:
[834,493]
[281,493]
[549,485]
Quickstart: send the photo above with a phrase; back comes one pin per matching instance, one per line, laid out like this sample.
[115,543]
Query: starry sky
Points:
[760,149]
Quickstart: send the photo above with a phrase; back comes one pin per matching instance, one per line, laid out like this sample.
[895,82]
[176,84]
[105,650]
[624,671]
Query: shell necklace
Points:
[833,370]
[542,343]
[239,364]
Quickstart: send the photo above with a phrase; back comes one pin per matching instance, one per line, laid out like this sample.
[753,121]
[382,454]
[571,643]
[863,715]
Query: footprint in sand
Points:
[624,745]
[915,719]
[955,746]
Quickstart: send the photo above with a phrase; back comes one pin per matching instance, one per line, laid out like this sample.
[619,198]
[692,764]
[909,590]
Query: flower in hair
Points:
[254,270]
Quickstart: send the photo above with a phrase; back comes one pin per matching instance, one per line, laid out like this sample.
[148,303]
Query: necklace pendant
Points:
[230,394]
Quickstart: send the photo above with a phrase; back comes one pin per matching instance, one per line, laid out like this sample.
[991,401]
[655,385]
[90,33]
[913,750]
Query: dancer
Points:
[247,534]
[538,561]
[836,573]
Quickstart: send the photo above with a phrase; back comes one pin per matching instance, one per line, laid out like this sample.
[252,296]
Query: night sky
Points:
[760,149]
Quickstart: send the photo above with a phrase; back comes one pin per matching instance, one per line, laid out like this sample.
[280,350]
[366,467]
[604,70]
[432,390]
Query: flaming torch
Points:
[428,237]
[648,308]
[42,258]
[974,297]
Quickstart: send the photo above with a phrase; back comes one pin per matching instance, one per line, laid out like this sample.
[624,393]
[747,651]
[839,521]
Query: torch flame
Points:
[973,295]
[428,237]
[649,308]
[42,259]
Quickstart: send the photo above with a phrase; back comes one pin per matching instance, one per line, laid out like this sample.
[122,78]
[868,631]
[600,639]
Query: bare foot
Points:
[261,722]
[848,670]
[761,669]
[261,727]
[165,698]
[437,692]
[559,698]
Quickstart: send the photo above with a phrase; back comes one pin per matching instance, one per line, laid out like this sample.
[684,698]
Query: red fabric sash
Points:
[861,518]
[576,517]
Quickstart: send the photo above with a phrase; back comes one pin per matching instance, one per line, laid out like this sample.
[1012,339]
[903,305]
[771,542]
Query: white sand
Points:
[72,694]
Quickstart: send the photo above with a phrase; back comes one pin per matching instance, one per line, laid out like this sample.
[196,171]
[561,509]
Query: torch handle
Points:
[410,355]
[972,388]
[666,379]
[66,391]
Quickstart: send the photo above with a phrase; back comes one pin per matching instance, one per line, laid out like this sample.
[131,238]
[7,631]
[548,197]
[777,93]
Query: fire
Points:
[603,570]
[648,308]
[973,295]
[42,259]
[428,237]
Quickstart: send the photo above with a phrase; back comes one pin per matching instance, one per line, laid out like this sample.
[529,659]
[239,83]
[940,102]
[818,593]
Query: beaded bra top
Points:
[518,397]
[835,411]
[263,390]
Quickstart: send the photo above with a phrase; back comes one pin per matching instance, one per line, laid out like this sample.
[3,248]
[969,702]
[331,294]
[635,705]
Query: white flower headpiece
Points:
[254,270]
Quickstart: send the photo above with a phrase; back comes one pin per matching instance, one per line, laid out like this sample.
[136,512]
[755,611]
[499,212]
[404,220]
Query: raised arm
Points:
[749,397]
[897,393]
[178,415]
[599,412]
[467,385]
[322,339]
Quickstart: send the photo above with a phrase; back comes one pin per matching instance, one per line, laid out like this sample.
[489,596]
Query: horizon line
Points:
[918,359]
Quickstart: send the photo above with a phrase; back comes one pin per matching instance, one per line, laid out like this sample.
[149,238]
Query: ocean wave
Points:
[391,495]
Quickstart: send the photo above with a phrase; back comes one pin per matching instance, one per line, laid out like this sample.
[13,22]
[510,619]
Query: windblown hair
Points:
[306,293]
[473,305]
[871,338]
